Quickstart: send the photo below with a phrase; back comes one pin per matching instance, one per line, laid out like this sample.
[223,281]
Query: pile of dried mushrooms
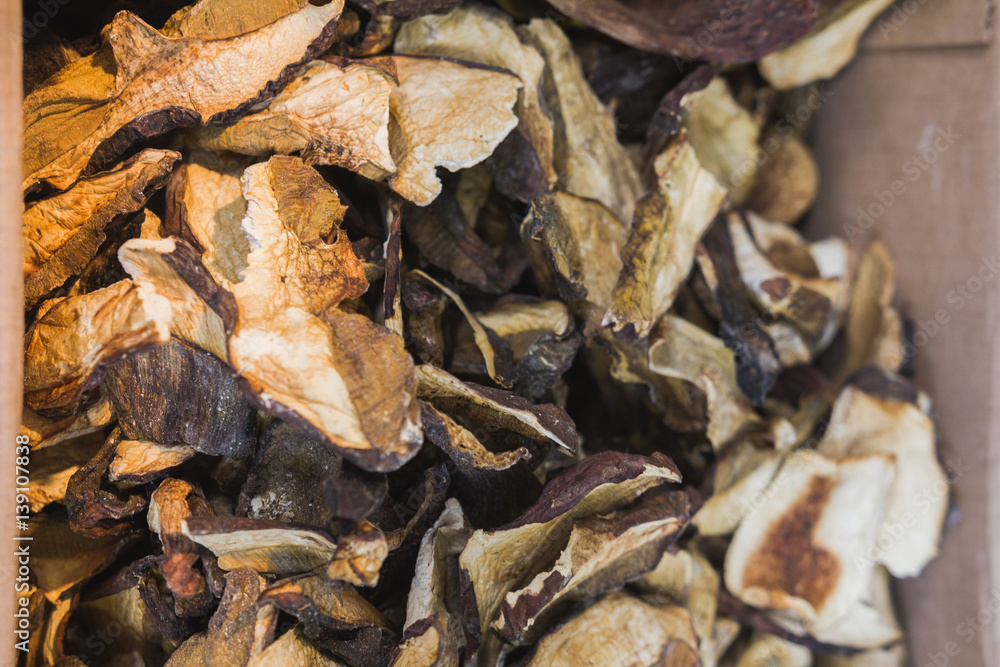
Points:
[427,333]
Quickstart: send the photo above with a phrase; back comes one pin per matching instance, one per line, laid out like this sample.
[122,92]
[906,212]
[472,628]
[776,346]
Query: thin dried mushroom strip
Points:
[322,606]
[462,446]
[142,461]
[445,114]
[141,83]
[63,233]
[75,339]
[43,432]
[330,113]
[620,630]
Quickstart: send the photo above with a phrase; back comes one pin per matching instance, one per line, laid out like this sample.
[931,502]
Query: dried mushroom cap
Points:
[63,233]
[744,33]
[587,156]
[76,338]
[292,649]
[237,629]
[680,349]
[142,461]
[668,224]
[485,36]
[141,83]
[445,114]
[828,47]
[603,552]
[787,181]
[176,393]
[497,562]
[767,650]
[621,631]
[802,553]
[496,407]
[863,423]
[43,432]
[331,113]
[576,246]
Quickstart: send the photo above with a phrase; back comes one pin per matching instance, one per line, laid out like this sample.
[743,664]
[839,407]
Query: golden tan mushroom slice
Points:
[322,605]
[682,350]
[141,461]
[877,414]
[75,338]
[801,553]
[828,47]
[667,226]
[330,113]
[52,468]
[445,114]
[292,649]
[743,471]
[587,156]
[575,245]
[63,233]
[767,650]
[603,552]
[486,36]
[43,432]
[621,631]
[497,562]
[141,83]
[787,180]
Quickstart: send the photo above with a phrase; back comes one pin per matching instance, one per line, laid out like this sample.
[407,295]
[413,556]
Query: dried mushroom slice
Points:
[52,468]
[894,656]
[478,34]
[337,375]
[63,233]
[576,246]
[743,471]
[141,83]
[141,461]
[498,408]
[462,446]
[866,421]
[176,393]
[766,650]
[802,553]
[323,606]
[288,469]
[744,33]
[668,224]
[171,267]
[787,180]
[497,562]
[43,432]
[76,338]
[682,350]
[434,641]
[238,628]
[587,156]
[330,113]
[96,507]
[292,649]
[445,114]
[435,586]
[826,49]
[603,552]
[359,556]
[621,631]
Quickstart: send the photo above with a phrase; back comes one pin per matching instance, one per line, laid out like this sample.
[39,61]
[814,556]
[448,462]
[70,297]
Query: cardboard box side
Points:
[11,304]
[908,151]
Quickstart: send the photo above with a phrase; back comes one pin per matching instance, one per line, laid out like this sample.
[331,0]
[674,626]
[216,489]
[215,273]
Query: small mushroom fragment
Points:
[332,112]
[680,349]
[42,432]
[96,507]
[603,552]
[826,49]
[238,630]
[587,156]
[176,393]
[292,649]
[52,468]
[623,631]
[801,554]
[523,162]
[448,114]
[359,556]
[75,339]
[767,650]
[876,414]
[141,461]
[63,233]
[660,251]
[787,180]
[141,83]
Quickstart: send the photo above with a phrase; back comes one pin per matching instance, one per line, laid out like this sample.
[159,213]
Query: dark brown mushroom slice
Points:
[740,34]
[96,508]
[603,552]
[141,83]
[176,393]
[286,472]
[64,232]
[238,630]
[353,496]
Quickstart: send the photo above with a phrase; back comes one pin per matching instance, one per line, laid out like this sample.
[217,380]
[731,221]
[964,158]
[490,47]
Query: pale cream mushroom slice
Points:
[787,180]
[767,650]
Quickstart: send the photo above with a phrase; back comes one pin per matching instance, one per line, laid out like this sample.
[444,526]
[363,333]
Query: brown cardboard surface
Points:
[886,108]
[11,317]
[911,24]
